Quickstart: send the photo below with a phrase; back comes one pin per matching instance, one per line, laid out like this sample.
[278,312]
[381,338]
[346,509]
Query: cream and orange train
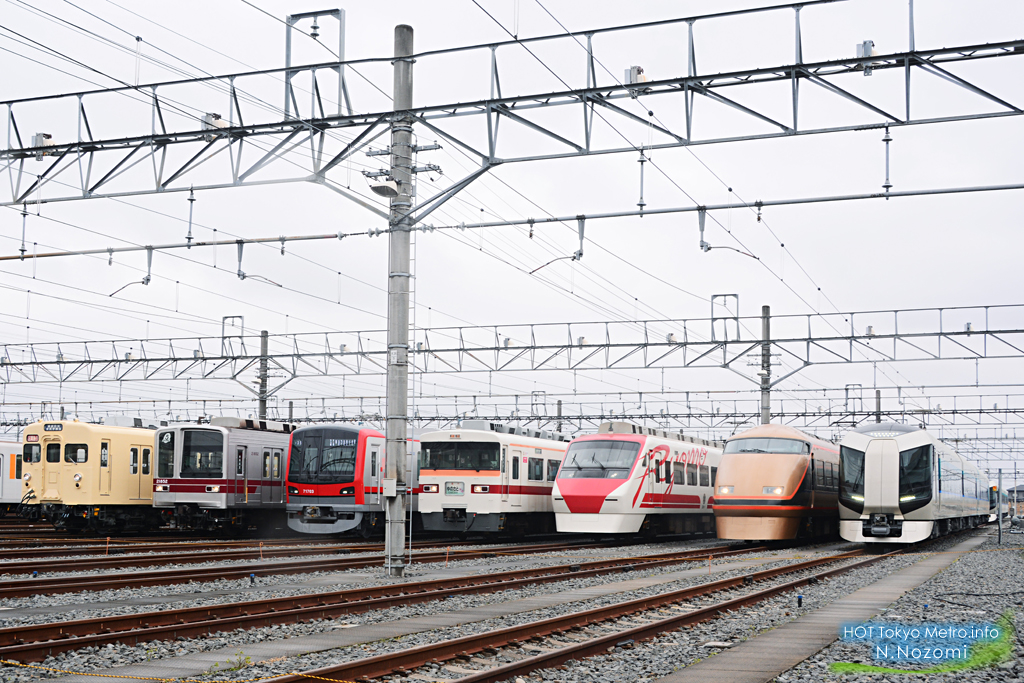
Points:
[776,482]
[489,477]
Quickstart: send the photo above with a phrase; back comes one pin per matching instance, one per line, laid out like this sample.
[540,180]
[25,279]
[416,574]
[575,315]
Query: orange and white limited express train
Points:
[777,482]
[489,477]
[628,478]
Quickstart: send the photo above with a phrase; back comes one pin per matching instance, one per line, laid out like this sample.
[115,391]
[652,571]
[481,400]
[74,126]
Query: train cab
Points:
[10,476]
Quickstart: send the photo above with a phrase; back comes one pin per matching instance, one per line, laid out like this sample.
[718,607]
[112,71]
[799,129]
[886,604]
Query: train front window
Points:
[202,454]
[323,456]
[459,455]
[915,478]
[53,452]
[165,455]
[604,459]
[76,452]
[31,453]
[767,445]
[851,478]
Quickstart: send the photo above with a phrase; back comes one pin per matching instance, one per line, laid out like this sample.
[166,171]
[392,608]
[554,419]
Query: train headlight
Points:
[78,477]
[723,490]
[161,488]
[773,490]
[26,477]
[213,489]
[477,488]
[431,488]
[859,499]
[904,499]
[292,489]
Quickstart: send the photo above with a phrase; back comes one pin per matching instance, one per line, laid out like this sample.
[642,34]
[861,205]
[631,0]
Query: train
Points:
[489,477]
[225,476]
[10,477]
[336,479]
[632,479]
[777,483]
[899,484]
[998,504]
[80,475]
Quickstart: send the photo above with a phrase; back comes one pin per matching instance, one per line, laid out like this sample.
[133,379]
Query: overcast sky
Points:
[925,252]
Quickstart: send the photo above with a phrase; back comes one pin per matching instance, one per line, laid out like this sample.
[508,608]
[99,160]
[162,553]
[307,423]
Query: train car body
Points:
[489,478]
[998,503]
[10,476]
[336,480]
[84,476]
[899,484]
[627,479]
[228,475]
[776,482]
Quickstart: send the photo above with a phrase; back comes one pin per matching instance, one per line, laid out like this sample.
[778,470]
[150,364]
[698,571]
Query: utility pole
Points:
[878,405]
[264,348]
[766,365]
[558,427]
[999,506]
[398,304]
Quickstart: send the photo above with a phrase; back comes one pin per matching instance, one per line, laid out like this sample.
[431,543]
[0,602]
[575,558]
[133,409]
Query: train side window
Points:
[553,469]
[266,464]
[691,474]
[536,469]
[240,460]
[714,475]
[104,454]
[31,453]
[657,471]
[669,472]
[53,452]
[76,452]
[17,467]
[705,476]
[277,465]
[679,472]
[515,466]
[503,459]
[135,461]
[145,461]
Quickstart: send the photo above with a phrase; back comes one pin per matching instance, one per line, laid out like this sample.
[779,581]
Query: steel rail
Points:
[407,660]
[36,642]
[165,577]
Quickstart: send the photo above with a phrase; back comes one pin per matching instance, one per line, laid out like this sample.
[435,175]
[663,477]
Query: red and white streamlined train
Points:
[628,478]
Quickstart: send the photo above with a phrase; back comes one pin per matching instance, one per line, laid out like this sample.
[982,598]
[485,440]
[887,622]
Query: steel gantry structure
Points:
[169,144]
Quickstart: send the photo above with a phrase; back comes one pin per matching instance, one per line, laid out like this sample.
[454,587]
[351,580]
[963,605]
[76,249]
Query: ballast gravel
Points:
[978,588]
[93,658]
[240,590]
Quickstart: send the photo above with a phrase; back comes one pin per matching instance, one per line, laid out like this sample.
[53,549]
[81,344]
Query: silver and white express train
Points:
[899,484]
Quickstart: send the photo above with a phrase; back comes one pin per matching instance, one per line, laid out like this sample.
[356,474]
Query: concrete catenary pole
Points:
[398,304]
[999,507]
[878,405]
[766,365]
[264,349]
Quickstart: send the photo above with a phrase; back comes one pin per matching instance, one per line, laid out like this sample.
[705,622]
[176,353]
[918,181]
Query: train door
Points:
[276,492]
[505,474]
[105,468]
[518,470]
[371,472]
[239,465]
[146,474]
[253,476]
[881,476]
[136,478]
[51,469]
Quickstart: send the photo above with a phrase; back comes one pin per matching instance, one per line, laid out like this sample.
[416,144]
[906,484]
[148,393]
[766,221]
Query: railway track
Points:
[97,582]
[579,634]
[36,642]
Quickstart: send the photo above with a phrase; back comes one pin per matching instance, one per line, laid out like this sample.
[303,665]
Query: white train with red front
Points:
[488,477]
[627,479]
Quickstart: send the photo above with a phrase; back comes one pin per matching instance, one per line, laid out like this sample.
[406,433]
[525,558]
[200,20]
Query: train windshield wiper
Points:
[752,450]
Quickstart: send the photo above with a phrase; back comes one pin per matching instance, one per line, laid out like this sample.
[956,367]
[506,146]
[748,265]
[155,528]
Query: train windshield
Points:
[851,477]
[915,477]
[767,445]
[605,459]
[323,456]
[458,455]
[202,454]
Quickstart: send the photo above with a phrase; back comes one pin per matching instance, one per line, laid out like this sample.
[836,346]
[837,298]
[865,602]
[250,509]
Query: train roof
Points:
[630,428]
[776,431]
[502,428]
[884,429]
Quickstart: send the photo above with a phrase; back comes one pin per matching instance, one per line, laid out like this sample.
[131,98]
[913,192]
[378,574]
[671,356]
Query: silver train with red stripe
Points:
[489,477]
[336,477]
[628,479]
[225,475]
